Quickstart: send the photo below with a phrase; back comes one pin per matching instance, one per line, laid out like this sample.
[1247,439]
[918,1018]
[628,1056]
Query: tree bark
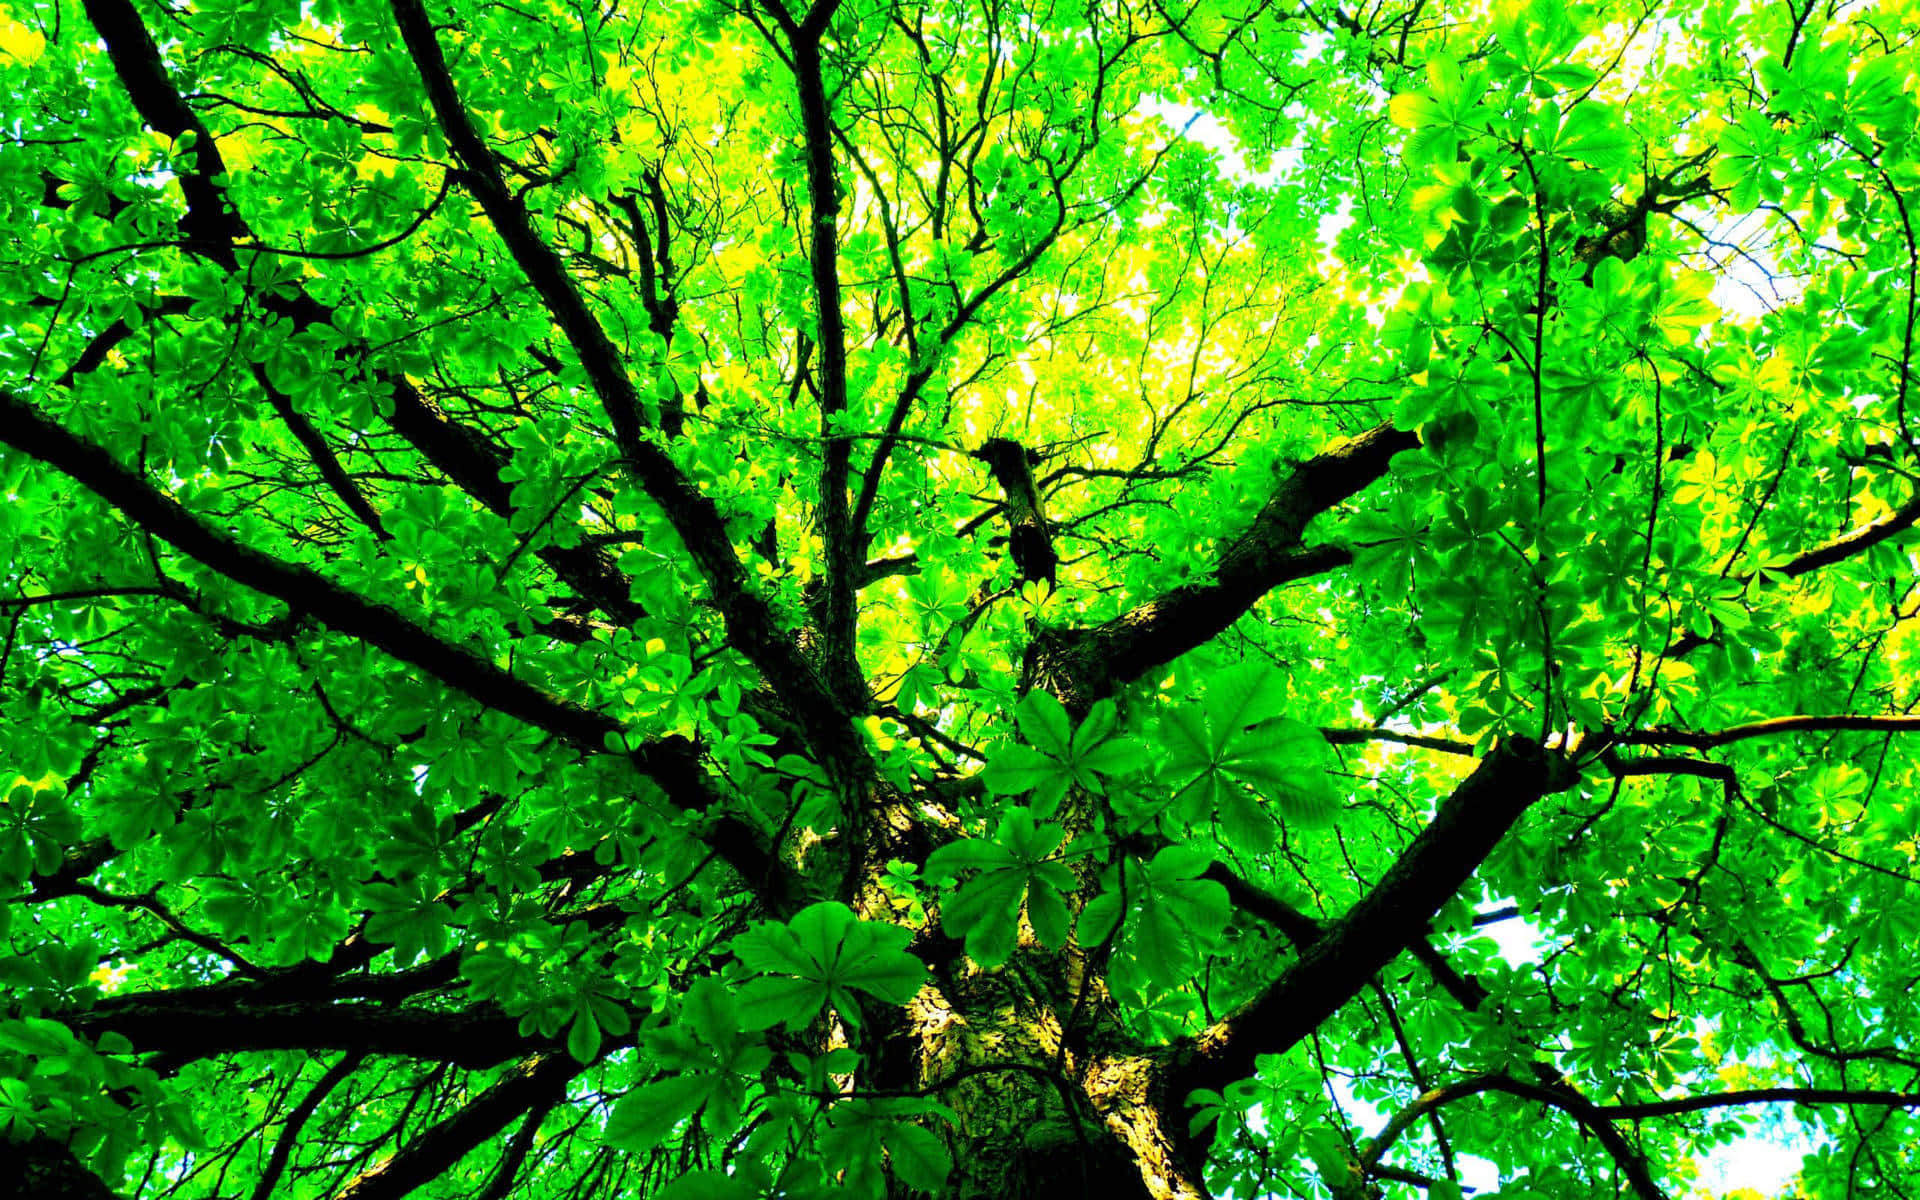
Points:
[1050,1097]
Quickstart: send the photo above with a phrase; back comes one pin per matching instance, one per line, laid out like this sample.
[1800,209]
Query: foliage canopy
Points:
[700,598]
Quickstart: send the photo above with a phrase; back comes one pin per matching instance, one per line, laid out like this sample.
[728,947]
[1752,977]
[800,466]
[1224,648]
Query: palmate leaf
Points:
[409,917]
[645,1117]
[1057,757]
[1234,750]
[814,959]
[859,1135]
[1286,762]
[711,1058]
[986,912]
[1440,115]
[1166,917]
[1016,865]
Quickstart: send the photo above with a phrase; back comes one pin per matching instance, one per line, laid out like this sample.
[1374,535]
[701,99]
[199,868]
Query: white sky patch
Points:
[1333,224]
[1767,1164]
[1748,283]
[1517,939]
[1203,128]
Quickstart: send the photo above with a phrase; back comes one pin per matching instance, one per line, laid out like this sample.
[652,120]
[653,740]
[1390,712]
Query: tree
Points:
[957,597]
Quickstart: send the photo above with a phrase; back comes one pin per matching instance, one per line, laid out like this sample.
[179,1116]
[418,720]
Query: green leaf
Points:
[1416,110]
[812,959]
[1245,695]
[986,912]
[1047,910]
[1592,134]
[583,1039]
[1289,763]
[646,1116]
[781,1000]
[1233,751]
[1061,757]
[713,1185]
[1015,769]
[1173,918]
[918,1157]
[1044,721]
[1018,865]
[1569,77]
[1099,918]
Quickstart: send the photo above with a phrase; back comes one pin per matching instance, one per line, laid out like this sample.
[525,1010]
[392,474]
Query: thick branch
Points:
[210,1029]
[1855,542]
[302,589]
[1304,931]
[835,614]
[533,1082]
[750,621]
[1871,1097]
[1296,926]
[212,226]
[670,761]
[1826,554]
[1393,915]
[1029,533]
[215,228]
[467,458]
[1086,664]
[1358,737]
[542,267]
[1709,739]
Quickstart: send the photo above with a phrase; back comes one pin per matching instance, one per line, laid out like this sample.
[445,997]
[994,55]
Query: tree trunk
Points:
[1035,1118]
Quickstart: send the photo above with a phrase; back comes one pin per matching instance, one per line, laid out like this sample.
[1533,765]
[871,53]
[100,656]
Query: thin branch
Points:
[296,1120]
[1708,739]
[1337,736]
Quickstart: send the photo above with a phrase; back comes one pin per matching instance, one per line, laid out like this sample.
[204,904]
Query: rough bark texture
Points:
[1041,1112]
